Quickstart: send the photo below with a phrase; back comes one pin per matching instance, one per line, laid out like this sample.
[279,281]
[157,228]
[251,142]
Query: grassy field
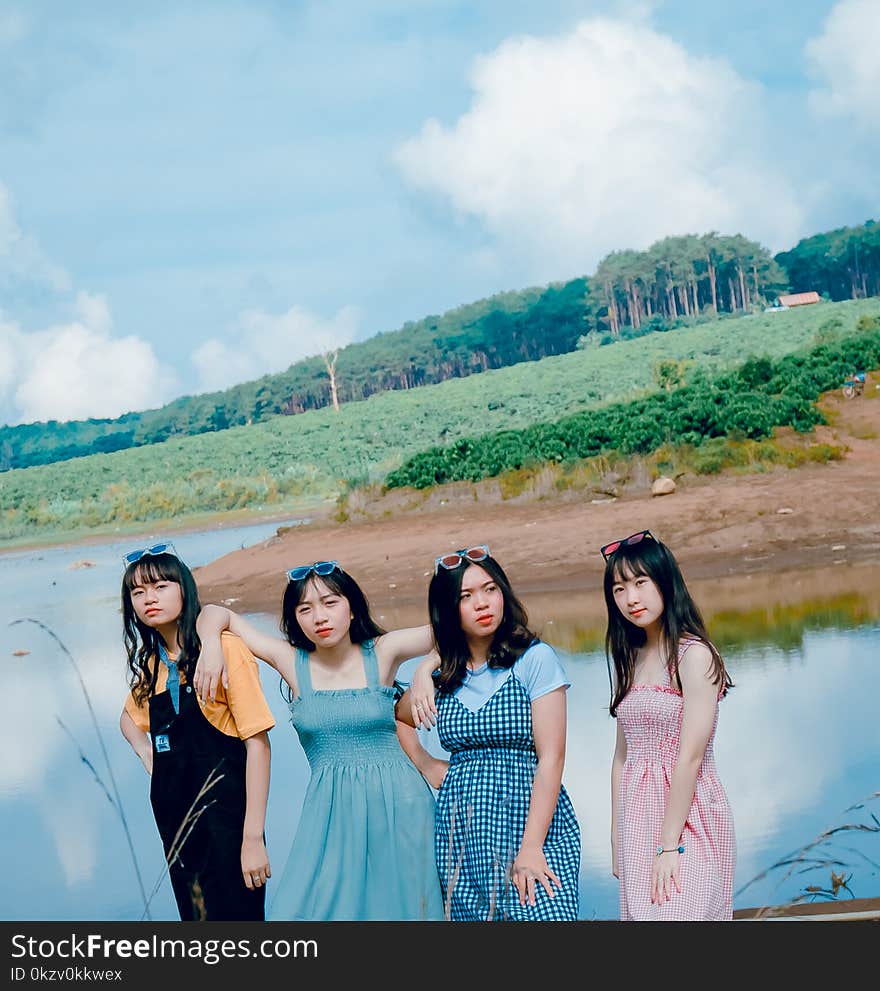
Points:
[291,463]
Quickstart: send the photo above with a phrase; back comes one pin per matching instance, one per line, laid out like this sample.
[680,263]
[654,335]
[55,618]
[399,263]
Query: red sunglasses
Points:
[472,554]
[633,538]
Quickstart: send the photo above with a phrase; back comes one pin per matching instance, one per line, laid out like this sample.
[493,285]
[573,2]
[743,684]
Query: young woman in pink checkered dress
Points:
[672,838]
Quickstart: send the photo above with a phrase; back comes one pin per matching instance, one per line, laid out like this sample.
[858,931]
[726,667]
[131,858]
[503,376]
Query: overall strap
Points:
[303,672]
[371,663]
[173,682]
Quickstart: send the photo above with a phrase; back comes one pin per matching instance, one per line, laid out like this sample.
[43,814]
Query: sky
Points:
[194,194]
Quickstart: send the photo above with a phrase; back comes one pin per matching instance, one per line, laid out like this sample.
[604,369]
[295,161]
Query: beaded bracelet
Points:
[672,849]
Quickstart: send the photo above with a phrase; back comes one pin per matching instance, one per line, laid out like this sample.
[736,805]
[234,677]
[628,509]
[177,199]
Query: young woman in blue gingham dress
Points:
[482,808]
[497,860]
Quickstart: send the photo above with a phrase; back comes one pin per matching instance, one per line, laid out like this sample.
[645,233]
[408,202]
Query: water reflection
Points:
[797,741]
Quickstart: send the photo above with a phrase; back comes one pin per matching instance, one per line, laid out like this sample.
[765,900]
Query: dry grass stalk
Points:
[115,799]
[453,873]
[193,814]
[811,857]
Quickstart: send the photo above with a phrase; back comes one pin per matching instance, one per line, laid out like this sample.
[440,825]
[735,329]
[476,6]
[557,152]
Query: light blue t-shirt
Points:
[539,669]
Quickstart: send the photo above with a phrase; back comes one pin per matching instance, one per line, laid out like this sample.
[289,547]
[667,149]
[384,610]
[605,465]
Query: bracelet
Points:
[672,849]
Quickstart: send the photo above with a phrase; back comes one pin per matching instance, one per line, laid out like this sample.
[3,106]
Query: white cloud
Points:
[78,370]
[844,59]
[610,136]
[264,343]
[74,370]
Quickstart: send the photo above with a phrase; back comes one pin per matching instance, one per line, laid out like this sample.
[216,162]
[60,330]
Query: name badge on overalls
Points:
[162,743]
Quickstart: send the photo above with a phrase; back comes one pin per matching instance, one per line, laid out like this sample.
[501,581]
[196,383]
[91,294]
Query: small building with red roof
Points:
[799,299]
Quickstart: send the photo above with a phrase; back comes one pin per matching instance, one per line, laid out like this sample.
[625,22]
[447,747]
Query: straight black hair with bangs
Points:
[681,617]
[511,639]
[363,626]
[142,642]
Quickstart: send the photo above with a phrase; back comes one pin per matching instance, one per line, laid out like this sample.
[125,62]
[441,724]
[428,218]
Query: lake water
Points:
[797,744]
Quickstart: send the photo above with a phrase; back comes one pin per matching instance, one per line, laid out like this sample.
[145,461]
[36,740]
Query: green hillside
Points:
[678,280]
[745,403]
[289,463]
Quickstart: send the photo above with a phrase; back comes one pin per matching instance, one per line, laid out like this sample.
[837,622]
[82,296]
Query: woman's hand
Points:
[665,873]
[421,693]
[254,863]
[210,668]
[530,869]
[434,771]
[211,665]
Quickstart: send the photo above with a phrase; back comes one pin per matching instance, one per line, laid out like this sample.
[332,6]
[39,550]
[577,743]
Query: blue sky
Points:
[194,194]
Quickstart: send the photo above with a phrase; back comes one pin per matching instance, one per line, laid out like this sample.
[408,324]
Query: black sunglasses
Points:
[633,538]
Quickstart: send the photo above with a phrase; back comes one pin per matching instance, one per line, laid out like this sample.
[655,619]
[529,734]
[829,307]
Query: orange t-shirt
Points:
[240,710]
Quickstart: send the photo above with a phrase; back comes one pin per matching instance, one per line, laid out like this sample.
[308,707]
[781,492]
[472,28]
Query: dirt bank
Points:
[752,537]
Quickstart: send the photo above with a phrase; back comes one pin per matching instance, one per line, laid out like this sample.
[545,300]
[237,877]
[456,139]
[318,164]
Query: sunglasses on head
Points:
[132,556]
[633,538]
[319,568]
[453,560]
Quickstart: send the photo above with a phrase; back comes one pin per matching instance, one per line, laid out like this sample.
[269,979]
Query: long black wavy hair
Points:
[681,617]
[510,641]
[142,642]
[363,626]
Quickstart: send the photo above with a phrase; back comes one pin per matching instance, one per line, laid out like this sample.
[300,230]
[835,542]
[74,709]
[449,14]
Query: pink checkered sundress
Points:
[650,716]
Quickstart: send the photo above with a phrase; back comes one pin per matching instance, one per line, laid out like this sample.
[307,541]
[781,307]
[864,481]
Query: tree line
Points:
[677,280]
[840,264]
[681,277]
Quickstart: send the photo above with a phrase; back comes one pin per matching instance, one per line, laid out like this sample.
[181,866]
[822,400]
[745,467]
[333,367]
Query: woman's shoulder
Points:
[145,675]
[696,646]
[695,660]
[540,669]
[233,645]
[537,651]
[539,656]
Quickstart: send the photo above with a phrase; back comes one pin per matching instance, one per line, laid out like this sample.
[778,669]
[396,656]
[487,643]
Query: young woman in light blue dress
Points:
[507,841]
[363,849]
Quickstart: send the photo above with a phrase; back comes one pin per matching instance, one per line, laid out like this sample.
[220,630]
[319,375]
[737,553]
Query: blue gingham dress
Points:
[482,807]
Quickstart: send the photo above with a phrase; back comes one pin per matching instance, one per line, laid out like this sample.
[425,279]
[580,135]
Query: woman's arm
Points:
[254,858]
[549,729]
[393,648]
[211,622]
[432,769]
[140,741]
[211,665]
[403,710]
[700,701]
[420,695]
[416,707]
[616,769]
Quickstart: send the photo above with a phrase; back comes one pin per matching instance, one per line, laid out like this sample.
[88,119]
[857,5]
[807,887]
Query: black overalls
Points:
[204,830]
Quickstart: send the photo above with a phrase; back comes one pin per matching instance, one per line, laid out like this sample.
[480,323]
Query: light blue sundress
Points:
[363,849]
